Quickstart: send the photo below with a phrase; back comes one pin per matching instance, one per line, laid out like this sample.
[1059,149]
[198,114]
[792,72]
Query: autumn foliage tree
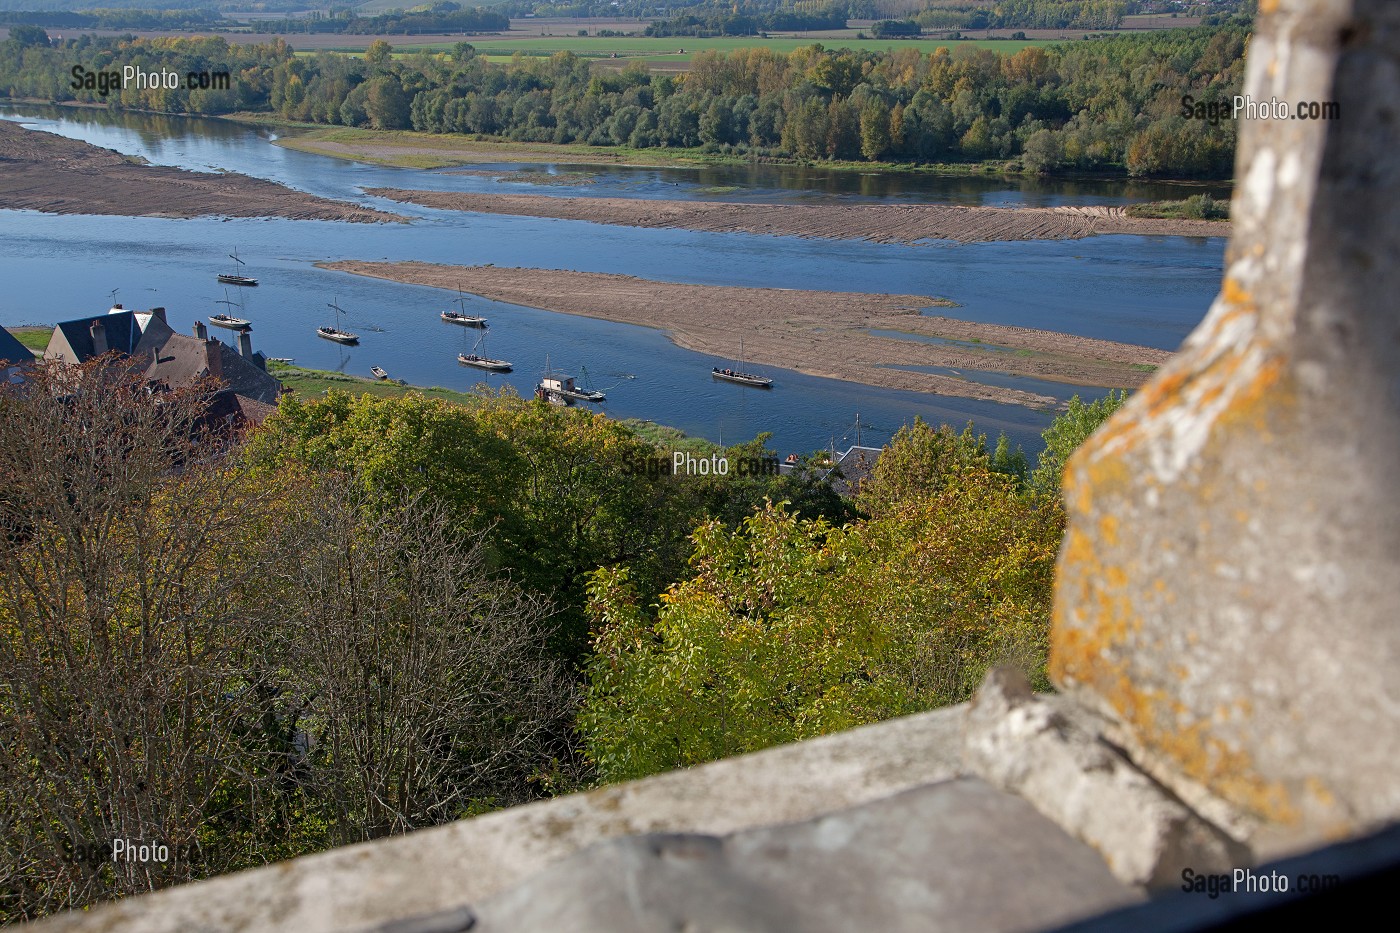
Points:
[792,628]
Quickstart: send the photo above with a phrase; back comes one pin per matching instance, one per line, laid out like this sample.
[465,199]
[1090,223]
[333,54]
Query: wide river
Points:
[1146,290]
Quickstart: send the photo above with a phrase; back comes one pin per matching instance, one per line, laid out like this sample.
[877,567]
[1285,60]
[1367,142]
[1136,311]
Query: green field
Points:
[35,338]
[310,383]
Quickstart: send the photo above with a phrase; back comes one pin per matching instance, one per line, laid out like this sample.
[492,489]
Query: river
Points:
[1147,290]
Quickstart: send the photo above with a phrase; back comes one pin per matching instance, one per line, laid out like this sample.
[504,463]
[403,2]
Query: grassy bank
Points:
[313,382]
[1196,207]
[35,338]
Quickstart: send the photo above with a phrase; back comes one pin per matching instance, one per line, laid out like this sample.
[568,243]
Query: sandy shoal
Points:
[44,172]
[820,333]
[881,223]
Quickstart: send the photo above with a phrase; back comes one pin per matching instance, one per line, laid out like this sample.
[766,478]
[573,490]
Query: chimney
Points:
[159,313]
[200,330]
[245,345]
[98,330]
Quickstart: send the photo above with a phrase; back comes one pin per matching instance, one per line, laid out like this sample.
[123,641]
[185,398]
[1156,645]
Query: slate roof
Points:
[11,349]
[130,332]
[182,360]
[853,467]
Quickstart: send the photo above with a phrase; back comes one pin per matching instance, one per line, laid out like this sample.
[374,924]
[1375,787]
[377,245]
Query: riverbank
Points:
[881,223]
[49,173]
[409,149]
[835,335]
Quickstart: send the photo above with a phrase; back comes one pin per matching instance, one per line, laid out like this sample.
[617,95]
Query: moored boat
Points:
[335,333]
[483,362]
[480,360]
[466,320]
[461,316]
[229,321]
[735,374]
[339,336]
[236,277]
[748,379]
[379,373]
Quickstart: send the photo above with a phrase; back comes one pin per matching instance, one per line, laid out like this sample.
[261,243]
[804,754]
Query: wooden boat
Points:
[229,321]
[748,379]
[235,277]
[339,336]
[738,375]
[379,373]
[335,333]
[461,316]
[481,361]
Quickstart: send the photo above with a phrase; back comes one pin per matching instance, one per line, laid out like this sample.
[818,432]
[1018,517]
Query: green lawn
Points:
[309,383]
[35,338]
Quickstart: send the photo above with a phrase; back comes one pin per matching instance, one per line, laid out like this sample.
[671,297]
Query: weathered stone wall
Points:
[1228,589]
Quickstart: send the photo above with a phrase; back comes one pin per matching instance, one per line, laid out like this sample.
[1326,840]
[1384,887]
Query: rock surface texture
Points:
[1227,591]
[956,856]
[1053,755]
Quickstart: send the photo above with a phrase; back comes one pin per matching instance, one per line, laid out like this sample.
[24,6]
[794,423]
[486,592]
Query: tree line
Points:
[1110,104]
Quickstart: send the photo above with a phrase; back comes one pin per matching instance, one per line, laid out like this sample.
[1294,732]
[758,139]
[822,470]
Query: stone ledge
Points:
[438,869]
[957,856]
[1054,755]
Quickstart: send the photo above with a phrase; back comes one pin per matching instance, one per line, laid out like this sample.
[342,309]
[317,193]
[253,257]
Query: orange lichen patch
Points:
[1236,294]
[1269,391]
[1268,6]
[1108,530]
[1093,612]
[1157,719]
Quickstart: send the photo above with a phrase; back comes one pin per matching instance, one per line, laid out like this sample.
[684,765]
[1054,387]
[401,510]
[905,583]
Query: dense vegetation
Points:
[1026,14]
[1110,104]
[385,613]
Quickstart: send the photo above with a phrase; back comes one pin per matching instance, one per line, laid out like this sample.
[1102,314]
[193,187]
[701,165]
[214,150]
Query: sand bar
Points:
[44,172]
[815,332]
[881,223]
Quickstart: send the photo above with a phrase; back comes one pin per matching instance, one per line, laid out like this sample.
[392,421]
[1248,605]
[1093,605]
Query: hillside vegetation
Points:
[390,613]
[1112,104]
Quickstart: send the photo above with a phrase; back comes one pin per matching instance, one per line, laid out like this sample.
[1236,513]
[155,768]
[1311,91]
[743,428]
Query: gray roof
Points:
[12,350]
[855,465]
[181,360]
[123,333]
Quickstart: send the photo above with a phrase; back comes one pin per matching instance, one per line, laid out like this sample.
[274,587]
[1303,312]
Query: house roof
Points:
[129,332]
[120,326]
[853,467]
[181,360]
[12,350]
